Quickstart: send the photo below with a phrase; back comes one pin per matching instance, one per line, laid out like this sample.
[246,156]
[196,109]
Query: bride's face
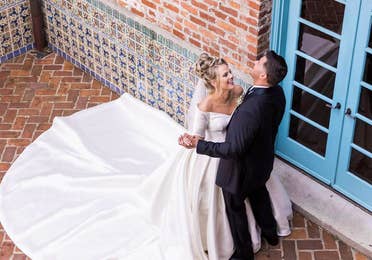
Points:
[224,77]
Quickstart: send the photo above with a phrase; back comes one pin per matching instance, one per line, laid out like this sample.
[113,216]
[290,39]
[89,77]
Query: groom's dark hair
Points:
[276,68]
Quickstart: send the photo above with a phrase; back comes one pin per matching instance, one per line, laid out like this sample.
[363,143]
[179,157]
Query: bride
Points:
[111,182]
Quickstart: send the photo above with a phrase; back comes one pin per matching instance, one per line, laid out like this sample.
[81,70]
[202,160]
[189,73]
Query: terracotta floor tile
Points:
[305,256]
[329,240]
[326,255]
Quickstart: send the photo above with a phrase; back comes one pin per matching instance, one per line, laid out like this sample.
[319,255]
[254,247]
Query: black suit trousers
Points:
[236,213]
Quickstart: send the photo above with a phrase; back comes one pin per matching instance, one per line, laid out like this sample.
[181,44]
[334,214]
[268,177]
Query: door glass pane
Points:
[363,135]
[326,13]
[368,69]
[308,135]
[365,103]
[361,165]
[310,107]
[318,45]
[315,77]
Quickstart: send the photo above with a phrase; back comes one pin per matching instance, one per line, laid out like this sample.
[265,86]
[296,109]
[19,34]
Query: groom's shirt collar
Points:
[259,86]
[257,89]
[252,88]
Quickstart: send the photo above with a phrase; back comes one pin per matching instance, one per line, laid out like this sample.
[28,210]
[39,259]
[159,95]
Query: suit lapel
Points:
[252,91]
[249,92]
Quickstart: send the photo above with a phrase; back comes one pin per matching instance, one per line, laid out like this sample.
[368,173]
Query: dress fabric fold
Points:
[111,182]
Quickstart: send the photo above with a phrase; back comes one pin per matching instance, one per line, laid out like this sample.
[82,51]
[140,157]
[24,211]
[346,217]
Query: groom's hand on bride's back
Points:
[188,141]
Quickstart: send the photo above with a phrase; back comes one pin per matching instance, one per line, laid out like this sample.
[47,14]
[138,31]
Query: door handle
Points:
[337,106]
[348,113]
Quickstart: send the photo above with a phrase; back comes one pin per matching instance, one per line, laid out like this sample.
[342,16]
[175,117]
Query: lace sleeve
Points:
[200,123]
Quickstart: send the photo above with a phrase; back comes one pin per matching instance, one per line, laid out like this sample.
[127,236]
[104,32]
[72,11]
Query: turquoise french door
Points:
[326,130]
[354,172]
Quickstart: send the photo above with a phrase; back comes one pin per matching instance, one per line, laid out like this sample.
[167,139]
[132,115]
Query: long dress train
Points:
[110,182]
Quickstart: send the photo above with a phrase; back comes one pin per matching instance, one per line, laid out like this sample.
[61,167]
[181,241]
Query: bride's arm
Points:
[201,119]
[199,126]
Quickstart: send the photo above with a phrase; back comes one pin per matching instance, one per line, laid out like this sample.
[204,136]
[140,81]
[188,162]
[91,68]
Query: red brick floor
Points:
[33,92]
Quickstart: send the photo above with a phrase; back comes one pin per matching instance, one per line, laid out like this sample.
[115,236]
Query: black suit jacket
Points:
[247,155]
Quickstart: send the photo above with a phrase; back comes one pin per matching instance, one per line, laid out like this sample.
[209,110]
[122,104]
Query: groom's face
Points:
[258,72]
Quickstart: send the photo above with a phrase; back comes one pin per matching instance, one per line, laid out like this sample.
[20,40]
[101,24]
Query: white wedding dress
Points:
[111,182]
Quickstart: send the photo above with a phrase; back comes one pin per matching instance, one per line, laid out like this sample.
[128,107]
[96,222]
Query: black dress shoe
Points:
[249,256]
[272,239]
[241,258]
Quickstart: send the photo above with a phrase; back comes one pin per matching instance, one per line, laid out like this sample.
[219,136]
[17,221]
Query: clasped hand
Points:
[188,141]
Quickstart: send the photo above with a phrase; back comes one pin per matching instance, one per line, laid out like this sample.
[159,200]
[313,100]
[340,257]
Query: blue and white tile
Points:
[25,14]
[151,73]
[160,81]
[114,53]
[132,63]
[123,58]
[16,38]
[5,41]
[132,85]
[155,98]
[13,17]
[188,95]
[115,75]
[4,22]
[141,69]
[180,113]
[107,69]
[179,89]
[142,90]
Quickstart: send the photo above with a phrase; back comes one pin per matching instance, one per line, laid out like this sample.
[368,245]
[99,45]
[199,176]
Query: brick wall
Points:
[237,30]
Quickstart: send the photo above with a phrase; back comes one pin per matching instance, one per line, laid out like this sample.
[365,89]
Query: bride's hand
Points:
[183,140]
[188,141]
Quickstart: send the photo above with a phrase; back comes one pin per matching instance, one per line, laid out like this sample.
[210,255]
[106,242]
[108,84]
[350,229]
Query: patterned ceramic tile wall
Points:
[15,28]
[124,54]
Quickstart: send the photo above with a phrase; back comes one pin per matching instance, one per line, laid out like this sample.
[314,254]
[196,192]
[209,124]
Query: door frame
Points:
[345,182]
[278,42]
[279,22]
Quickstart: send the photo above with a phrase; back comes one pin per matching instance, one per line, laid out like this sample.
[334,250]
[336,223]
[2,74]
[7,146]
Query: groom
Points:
[247,155]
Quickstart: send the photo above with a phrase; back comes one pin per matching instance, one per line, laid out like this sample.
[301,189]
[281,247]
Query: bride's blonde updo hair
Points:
[205,68]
